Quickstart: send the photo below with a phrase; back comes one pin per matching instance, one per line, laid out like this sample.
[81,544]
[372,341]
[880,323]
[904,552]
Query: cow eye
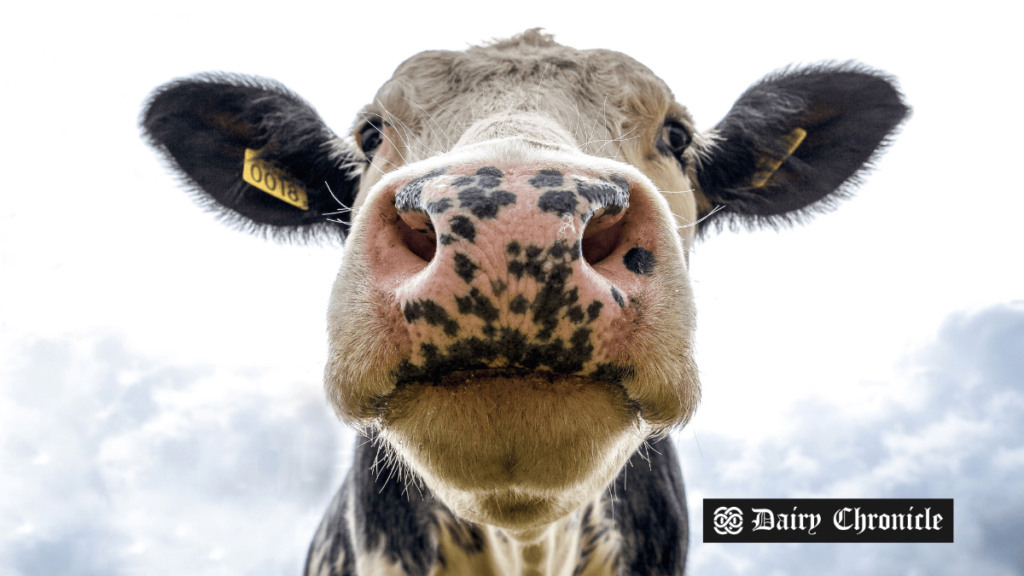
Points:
[370,138]
[674,137]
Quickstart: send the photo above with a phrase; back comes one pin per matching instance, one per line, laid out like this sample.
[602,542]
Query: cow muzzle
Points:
[507,310]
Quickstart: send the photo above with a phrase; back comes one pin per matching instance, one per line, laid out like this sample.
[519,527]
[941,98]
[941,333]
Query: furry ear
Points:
[796,142]
[254,152]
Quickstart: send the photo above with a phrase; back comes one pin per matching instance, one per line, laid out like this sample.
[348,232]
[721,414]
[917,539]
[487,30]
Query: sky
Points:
[161,409]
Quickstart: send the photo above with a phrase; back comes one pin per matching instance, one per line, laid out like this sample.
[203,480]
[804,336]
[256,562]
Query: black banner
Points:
[828,520]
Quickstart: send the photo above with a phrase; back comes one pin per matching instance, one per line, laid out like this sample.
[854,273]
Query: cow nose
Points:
[518,268]
[456,207]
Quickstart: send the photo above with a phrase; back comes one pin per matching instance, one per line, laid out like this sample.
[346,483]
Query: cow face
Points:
[513,315]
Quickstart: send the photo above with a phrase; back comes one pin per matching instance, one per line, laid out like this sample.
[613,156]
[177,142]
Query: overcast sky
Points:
[160,375]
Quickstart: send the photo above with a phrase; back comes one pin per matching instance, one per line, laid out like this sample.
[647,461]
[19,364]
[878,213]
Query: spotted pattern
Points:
[559,325]
[561,202]
[610,195]
[408,198]
[547,179]
[478,194]
[438,207]
[479,305]
[640,261]
[618,297]
[464,267]
[462,226]
[551,268]
[555,300]
[613,193]
[431,313]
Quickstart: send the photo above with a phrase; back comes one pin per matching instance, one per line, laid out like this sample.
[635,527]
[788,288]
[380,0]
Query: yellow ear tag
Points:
[272,180]
[768,166]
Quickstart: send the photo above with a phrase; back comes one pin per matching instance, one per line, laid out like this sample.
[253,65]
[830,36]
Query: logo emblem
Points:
[728,520]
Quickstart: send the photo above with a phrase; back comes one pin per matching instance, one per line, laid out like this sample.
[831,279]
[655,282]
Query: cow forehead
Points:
[600,96]
[602,103]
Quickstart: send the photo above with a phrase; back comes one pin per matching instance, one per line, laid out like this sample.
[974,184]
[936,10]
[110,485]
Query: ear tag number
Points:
[768,166]
[272,180]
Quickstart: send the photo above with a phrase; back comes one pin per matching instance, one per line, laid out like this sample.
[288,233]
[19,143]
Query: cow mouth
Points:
[463,377]
[500,382]
[528,431]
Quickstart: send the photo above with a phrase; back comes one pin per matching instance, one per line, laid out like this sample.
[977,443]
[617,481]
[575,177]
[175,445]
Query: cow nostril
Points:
[598,245]
[418,237]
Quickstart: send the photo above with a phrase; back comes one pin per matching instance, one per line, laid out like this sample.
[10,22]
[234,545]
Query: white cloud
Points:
[962,438]
[115,464]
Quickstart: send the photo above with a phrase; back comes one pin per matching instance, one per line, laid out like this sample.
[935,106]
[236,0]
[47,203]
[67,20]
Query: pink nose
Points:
[532,268]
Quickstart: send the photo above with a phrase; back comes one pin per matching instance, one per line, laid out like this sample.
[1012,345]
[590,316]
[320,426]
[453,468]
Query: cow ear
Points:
[795,143]
[255,153]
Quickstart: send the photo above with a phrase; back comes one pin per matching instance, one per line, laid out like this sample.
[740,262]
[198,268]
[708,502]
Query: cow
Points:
[512,326]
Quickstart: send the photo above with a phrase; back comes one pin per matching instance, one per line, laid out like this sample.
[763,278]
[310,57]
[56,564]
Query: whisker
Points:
[340,203]
[604,112]
[454,117]
[512,101]
[706,216]
[422,146]
[578,114]
[462,127]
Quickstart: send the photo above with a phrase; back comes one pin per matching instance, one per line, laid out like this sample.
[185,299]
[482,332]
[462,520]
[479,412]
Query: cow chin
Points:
[513,450]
